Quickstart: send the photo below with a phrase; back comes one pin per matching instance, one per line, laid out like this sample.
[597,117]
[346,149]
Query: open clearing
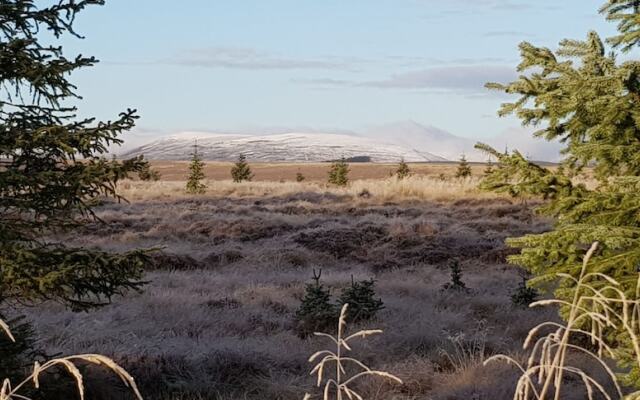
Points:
[216,319]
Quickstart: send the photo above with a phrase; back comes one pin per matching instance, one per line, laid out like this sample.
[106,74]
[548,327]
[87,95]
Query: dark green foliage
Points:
[625,13]
[196,174]
[316,312]
[299,177]
[442,177]
[456,277]
[582,96]
[16,357]
[43,188]
[148,174]
[362,301]
[464,170]
[339,173]
[524,295]
[241,170]
[403,170]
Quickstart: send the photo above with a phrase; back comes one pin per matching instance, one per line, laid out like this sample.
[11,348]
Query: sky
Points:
[225,65]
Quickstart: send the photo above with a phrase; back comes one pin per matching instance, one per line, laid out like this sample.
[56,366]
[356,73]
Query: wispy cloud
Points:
[252,59]
[413,61]
[458,78]
[468,80]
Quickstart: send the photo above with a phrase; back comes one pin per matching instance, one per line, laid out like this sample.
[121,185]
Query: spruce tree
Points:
[403,170]
[316,312]
[148,174]
[339,173]
[489,168]
[241,170]
[361,297]
[196,173]
[44,188]
[583,97]
[464,170]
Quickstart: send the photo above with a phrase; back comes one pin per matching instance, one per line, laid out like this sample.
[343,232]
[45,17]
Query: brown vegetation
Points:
[179,170]
[216,318]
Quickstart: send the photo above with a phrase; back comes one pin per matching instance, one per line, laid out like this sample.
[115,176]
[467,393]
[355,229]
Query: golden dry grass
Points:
[314,172]
[343,384]
[415,187]
[594,309]
[11,391]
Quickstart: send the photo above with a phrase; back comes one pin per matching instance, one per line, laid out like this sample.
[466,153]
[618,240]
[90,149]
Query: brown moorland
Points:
[216,318]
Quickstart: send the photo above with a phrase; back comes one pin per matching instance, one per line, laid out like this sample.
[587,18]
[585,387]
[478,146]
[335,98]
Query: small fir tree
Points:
[148,174]
[196,173]
[524,295]
[316,312]
[489,169]
[403,170]
[464,170]
[361,297]
[339,173]
[241,170]
[456,277]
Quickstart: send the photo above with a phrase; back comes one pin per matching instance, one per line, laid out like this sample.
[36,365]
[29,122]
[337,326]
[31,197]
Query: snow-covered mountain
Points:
[387,143]
[292,147]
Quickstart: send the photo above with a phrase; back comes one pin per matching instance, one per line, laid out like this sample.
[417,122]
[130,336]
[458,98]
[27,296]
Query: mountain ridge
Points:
[293,147]
[383,143]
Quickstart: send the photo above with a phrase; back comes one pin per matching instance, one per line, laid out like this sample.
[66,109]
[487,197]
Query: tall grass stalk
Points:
[341,383]
[8,391]
[598,304]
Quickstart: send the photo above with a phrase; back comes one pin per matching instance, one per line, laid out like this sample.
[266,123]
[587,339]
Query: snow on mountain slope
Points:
[291,147]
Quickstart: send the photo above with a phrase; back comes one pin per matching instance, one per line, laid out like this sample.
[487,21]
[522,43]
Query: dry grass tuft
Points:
[340,382]
[9,391]
[415,187]
[597,307]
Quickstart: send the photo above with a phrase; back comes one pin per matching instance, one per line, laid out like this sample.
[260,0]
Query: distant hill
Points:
[291,147]
[386,143]
[444,144]
[426,139]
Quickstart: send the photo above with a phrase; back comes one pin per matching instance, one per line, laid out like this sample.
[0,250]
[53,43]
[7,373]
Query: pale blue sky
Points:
[232,64]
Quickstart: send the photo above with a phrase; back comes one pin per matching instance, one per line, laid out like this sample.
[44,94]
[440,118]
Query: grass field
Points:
[316,172]
[216,319]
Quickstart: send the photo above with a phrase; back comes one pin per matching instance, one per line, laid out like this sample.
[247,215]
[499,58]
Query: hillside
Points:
[291,147]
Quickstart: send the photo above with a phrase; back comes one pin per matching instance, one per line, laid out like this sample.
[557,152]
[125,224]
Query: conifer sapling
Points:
[403,170]
[241,170]
[339,173]
[363,305]
[196,173]
[316,312]
[464,170]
